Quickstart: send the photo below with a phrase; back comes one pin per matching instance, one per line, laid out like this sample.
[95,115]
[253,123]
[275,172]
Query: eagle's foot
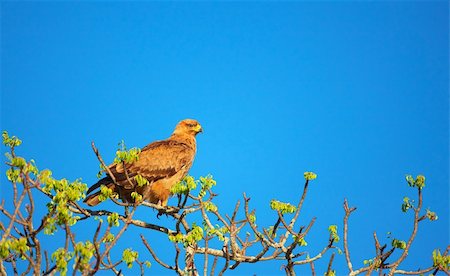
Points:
[161,212]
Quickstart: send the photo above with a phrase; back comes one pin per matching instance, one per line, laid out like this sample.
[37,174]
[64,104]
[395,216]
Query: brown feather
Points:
[162,163]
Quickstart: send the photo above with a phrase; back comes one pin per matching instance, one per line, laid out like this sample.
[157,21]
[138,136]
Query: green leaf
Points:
[190,182]
[368,262]
[207,182]
[13,175]
[177,238]
[61,258]
[105,193]
[195,235]
[113,219]
[333,232]
[300,240]
[50,227]
[5,245]
[252,217]
[129,256]
[284,208]
[440,261]
[108,238]
[10,141]
[420,181]
[136,196]
[19,246]
[398,244]
[126,156]
[407,204]
[141,181]
[84,252]
[209,206]
[431,215]
[18,162]
[410,180]
[31,168]
[309,176]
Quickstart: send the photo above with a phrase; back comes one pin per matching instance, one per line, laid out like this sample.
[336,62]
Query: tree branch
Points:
[348,211]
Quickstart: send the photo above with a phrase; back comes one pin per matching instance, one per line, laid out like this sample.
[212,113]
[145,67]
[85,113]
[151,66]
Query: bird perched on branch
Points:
[161,163]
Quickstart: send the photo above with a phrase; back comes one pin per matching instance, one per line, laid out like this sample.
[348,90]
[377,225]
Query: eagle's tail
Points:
[104,181]
[93,200]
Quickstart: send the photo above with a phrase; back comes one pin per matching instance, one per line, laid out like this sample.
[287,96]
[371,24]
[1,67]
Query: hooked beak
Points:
[198,129]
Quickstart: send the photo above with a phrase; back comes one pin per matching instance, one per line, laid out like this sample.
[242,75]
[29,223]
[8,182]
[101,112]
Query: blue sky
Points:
[354,91]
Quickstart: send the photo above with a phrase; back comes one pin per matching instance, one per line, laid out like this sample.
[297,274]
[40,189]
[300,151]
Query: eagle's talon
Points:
[163,211]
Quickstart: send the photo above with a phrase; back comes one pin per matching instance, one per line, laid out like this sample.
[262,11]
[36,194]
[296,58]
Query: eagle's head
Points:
[188,126]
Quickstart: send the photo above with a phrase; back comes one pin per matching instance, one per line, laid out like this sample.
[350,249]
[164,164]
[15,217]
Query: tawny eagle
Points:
[162,163]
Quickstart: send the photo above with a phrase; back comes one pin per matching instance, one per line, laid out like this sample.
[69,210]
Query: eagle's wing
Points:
[157,160]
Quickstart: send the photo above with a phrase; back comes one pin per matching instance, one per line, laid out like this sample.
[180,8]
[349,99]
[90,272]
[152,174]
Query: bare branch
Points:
[348,211]
[330,264]
[213,267]
[16,211]
[313,269]
[205,263]
[155,257]
[412,237]
[100,159]
[227,260]
[418,272]
[300,204]
[177,256]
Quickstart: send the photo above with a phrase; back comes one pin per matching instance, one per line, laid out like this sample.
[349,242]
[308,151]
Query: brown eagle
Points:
[162,163]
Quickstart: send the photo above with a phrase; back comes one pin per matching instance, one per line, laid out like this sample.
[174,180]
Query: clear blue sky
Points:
[357,92]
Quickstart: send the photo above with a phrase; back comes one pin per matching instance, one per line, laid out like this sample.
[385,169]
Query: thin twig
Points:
[155,257]
[205,265]
[313,269]
[348,211]
[227,260]
[213,267]
[300,204]
[412,237]
[330,264]
[99,157]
